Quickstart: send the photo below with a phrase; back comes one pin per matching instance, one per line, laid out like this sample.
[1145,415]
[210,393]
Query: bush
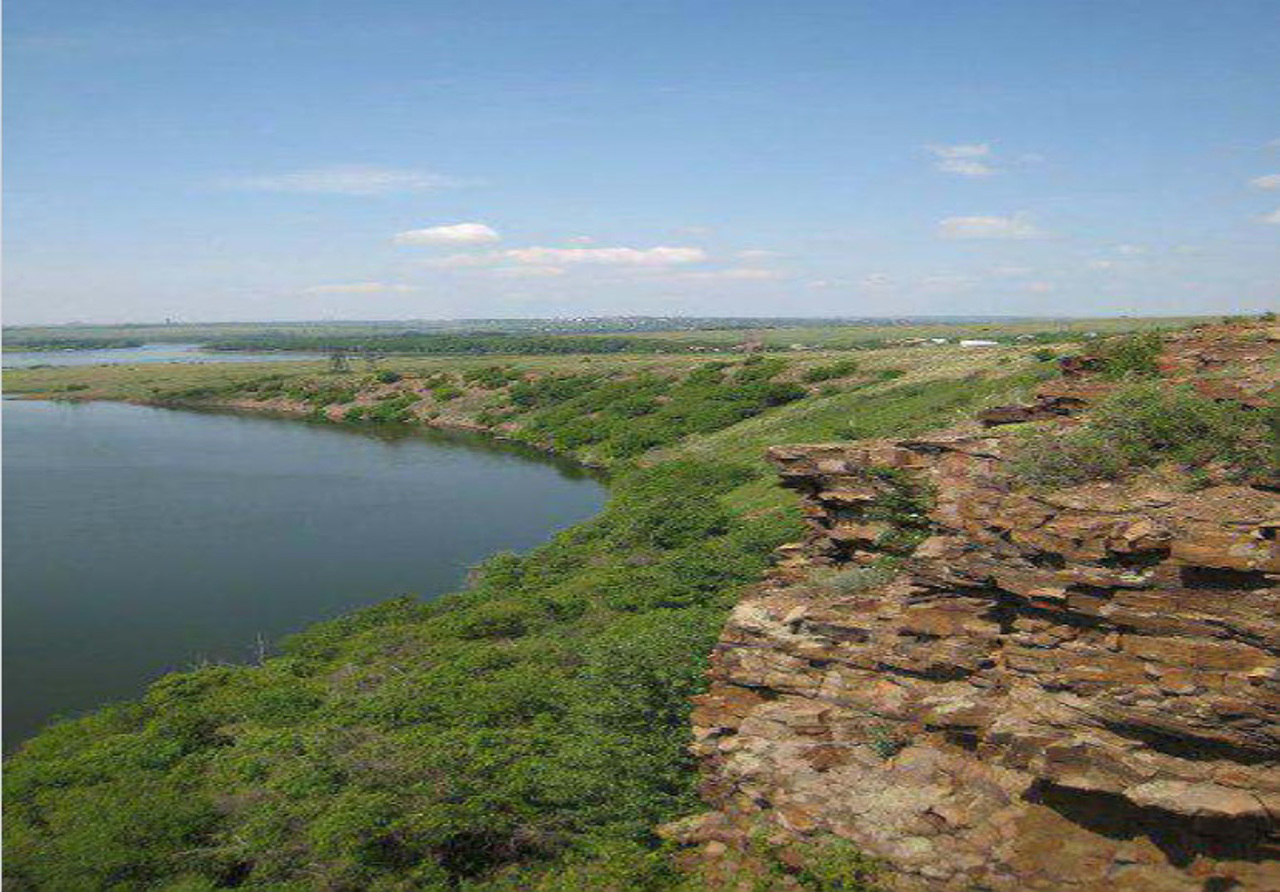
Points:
[842,369]
[1131,356]
[491,377]
[388,377]
[1143,425]
[1052,460]
[396,409]
[858,579]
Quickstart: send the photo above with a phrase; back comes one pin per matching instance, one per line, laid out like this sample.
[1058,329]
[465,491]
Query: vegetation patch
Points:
[828,864]
[1143,425]
[1131,356]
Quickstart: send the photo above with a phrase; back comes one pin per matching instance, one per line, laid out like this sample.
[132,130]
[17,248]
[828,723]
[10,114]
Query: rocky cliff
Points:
[987,686]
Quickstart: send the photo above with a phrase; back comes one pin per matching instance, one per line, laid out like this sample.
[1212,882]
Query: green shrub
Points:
[1131,356]
[842,369]
[387,377]
[828,864]
[491,377]
[1054,460]
[396,409]
[858,579]
[1142,425]
[837,865]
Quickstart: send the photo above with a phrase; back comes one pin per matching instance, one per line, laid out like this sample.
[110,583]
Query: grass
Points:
[142,380]
[1144,425]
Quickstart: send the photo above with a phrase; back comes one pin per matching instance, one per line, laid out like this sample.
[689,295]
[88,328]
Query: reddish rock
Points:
[1061,691]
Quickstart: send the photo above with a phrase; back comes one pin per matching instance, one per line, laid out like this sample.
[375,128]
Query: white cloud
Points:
[964,167]
[359,288]
[875,280]
[346,180]
[971,150]
[1267,181]
[559,257]
[1039,287]
[741,274]
[963,160]
[454,234]
[659,256]
[582,240]
[1131,250]
[758,254]
[529,272]
[1273,218]
[1101,264]
[461,261]
[1014,227]
[947,281]
[1009,272]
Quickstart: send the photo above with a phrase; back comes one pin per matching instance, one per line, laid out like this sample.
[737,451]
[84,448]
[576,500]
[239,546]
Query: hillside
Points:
[530,732]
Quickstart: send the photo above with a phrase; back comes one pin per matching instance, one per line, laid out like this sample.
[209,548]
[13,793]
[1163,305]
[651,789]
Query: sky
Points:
[414,159]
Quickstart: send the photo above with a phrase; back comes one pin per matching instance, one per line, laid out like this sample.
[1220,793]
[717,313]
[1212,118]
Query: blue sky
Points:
[309,160]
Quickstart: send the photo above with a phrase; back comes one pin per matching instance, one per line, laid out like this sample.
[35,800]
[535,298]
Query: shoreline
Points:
[295,412]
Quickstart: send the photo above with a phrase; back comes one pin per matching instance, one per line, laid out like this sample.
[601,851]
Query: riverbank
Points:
[526,733]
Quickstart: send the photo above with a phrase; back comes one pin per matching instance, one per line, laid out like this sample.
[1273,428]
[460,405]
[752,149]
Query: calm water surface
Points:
[142,540]
[23,359]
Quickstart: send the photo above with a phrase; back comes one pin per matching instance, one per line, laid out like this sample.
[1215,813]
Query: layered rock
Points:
[1069,690]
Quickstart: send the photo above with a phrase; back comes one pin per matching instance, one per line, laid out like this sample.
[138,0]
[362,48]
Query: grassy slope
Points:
[525,734]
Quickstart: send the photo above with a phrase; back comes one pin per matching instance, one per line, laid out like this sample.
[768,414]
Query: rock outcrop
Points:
[1070,690]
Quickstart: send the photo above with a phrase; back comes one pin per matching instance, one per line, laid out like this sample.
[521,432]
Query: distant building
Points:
[979,343]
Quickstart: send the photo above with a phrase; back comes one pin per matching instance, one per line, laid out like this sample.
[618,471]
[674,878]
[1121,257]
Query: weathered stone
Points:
[1075,690]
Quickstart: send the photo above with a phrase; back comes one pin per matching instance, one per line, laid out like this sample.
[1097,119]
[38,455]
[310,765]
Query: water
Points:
[24,359]
[142,540]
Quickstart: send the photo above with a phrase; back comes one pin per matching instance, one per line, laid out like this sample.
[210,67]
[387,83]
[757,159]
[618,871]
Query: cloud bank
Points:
[971,160]
[454,234]
[561,257]
[1013,227]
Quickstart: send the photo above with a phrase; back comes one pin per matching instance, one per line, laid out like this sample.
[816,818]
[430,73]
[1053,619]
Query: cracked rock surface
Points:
[1072,690]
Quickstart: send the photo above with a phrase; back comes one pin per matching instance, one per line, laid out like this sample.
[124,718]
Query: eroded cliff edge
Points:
[1072,689]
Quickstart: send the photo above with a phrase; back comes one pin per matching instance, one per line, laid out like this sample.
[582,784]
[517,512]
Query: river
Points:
[142,540]
[147,353]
